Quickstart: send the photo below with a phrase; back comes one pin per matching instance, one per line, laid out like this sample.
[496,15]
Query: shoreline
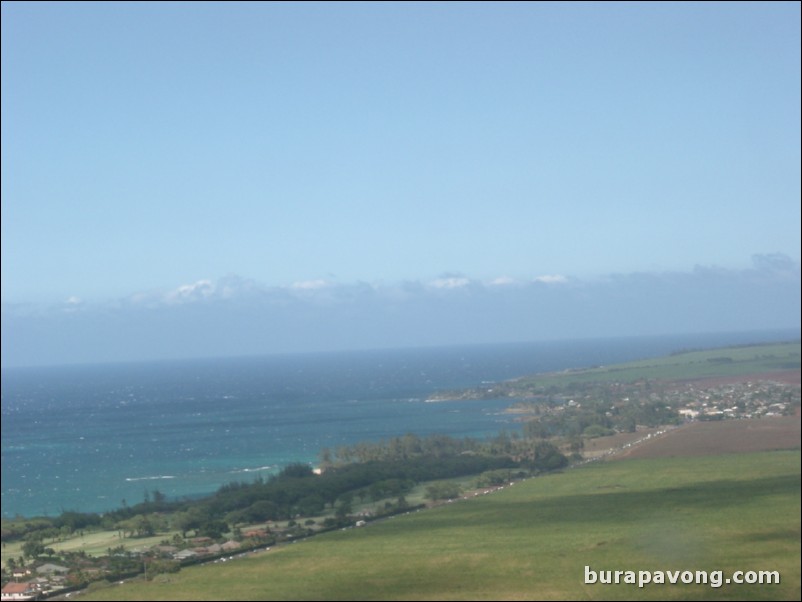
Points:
[156,477]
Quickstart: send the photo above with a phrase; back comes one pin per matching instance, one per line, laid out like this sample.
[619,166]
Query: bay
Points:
[91,438]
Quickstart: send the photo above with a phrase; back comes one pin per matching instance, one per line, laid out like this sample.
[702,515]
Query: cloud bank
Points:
[237,316]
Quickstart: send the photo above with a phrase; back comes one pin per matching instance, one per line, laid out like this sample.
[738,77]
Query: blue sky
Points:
[309,148]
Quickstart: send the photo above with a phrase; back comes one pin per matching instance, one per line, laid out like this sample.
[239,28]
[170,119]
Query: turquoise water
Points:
[88,437]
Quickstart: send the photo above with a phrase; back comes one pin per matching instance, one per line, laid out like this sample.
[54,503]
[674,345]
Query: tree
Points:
[344,509]
[144,528]
[297,469]
[310,505]
[546,456]
[190,520]
[139,526]
[628,424]
[33,548]
[535,429]
[326,460]
[213,528]
[597,430]
[442,491]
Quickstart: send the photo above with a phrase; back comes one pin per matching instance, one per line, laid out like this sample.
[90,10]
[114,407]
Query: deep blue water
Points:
[87,437]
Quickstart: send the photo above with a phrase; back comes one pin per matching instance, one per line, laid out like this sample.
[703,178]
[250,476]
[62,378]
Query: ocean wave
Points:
[166,476]
[259,469]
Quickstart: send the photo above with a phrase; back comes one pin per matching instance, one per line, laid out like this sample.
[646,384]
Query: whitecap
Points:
[259,469]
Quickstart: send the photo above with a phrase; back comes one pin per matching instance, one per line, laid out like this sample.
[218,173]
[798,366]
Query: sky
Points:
[345,175]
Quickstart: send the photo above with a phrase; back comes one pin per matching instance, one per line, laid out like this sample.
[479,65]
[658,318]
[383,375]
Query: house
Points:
[185,555]
[19,591]
[165,550]
[52,569]
[200,541]
[20,572]
[230,546]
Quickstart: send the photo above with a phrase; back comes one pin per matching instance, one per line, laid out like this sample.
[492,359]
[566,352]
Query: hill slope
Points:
[770,361]
[533,540]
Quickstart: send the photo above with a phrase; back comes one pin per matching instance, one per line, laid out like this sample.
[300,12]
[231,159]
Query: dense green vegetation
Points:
[245,515]
[600,413]
[366,471]
[533,540]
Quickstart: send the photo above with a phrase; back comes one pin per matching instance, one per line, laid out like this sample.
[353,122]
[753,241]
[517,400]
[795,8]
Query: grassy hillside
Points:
[533,540]
[728,361]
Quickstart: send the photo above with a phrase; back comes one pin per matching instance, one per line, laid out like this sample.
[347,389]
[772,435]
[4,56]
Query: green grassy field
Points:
[94,543]
[533,540]
[729,361]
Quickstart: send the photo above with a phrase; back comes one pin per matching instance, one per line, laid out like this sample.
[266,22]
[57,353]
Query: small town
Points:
[28,579]
[750,399]
[603,409]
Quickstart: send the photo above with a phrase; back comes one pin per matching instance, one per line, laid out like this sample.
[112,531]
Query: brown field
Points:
[721,437]
[605,445]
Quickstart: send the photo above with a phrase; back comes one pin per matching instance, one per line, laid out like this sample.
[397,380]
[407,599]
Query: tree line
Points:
[364,471]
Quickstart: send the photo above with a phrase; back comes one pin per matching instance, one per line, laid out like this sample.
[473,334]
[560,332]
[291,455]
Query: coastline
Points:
[202,426]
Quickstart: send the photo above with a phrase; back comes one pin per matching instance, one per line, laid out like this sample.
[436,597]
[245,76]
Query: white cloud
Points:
[502,281]
[238,316]
[309,285]
[73,304]
[202,289]
[233,286]
[551,279]
[226,289]
[450,282]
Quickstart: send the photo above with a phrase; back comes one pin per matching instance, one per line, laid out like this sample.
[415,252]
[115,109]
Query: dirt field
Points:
[722,437]
[602,446]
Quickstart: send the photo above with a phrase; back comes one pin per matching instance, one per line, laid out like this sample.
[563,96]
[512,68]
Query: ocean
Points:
[92,438]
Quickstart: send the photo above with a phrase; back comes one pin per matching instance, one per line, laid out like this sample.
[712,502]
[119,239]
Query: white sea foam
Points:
[166,476]
[259,469]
